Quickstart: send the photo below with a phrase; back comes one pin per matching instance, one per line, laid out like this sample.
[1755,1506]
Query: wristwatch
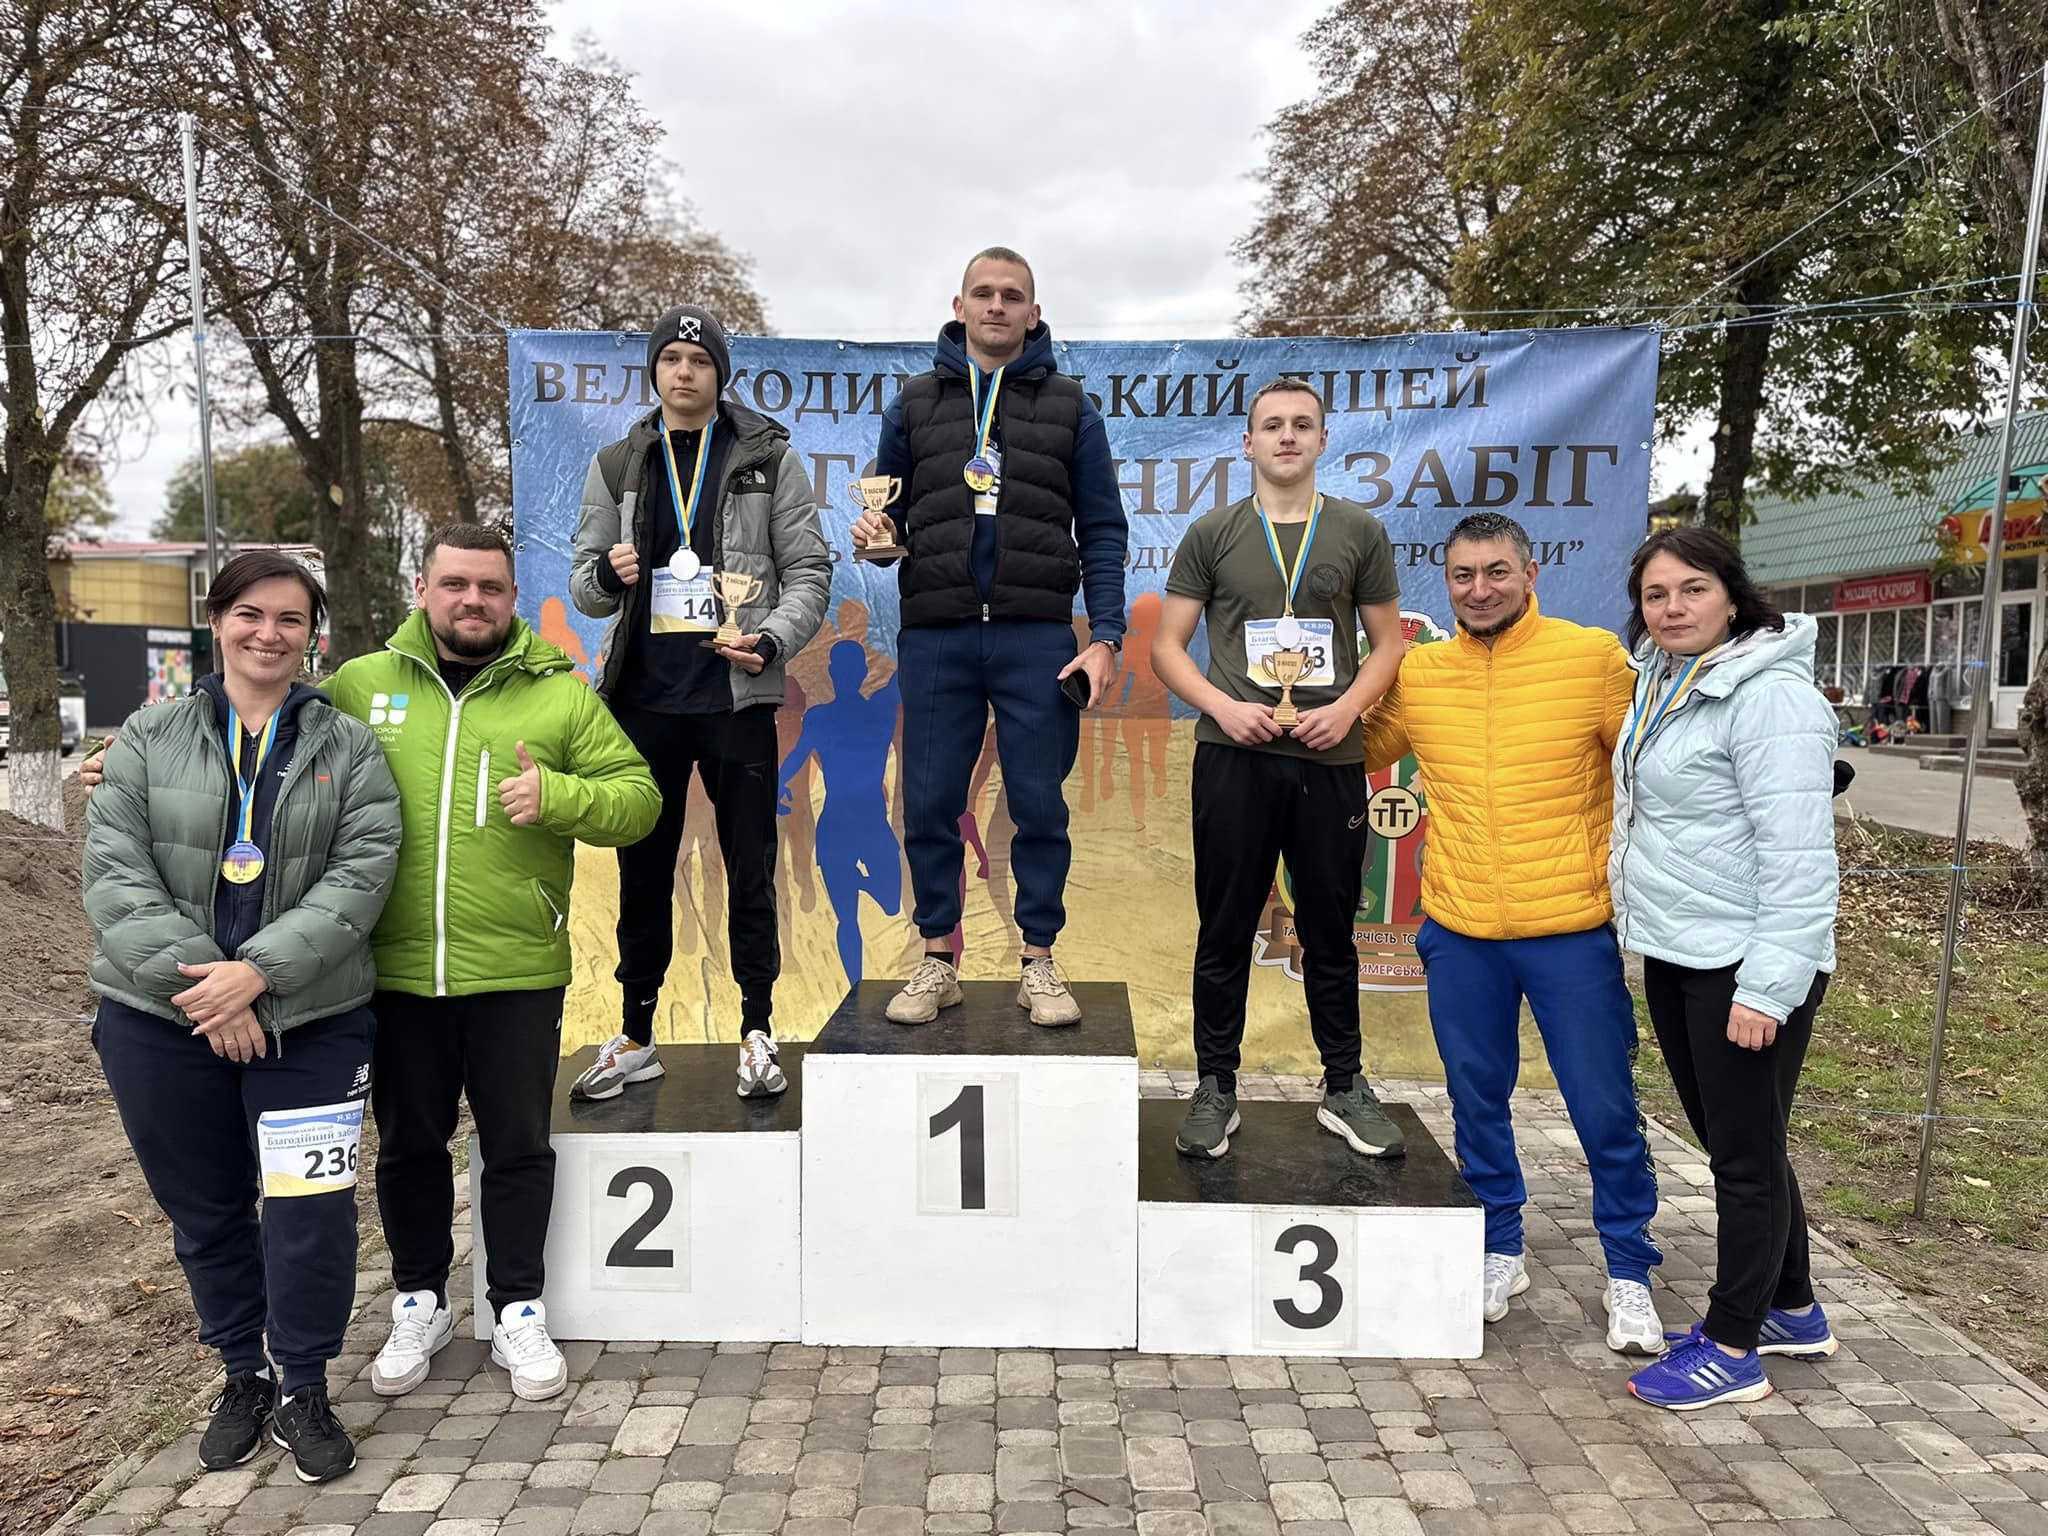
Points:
[1116,647]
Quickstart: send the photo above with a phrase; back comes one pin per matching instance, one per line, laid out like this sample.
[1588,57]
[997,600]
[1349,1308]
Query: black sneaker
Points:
[306,1426]
[244,1406]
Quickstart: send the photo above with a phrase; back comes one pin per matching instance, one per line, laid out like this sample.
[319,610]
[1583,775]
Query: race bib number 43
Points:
[310,1151]
[1315,636]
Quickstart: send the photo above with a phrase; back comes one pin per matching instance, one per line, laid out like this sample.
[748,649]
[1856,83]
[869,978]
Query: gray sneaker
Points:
[1356,1116]
[1211,1117]
[932,986]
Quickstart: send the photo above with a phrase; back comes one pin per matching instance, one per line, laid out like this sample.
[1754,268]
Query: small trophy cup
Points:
[874,493]
[1285,668]
[733,588]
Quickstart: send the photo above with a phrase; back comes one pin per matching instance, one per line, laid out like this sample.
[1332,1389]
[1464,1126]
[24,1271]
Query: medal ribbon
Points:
[248,817]
[1291,577]
[1648,718]
[686,511]
[985,416]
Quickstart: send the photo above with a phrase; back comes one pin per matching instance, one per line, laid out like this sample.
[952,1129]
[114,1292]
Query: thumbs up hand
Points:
[520,794]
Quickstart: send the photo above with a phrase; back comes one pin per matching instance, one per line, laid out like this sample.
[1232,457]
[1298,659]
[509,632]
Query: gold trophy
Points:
[1285,668]
[874,493]
[733,588]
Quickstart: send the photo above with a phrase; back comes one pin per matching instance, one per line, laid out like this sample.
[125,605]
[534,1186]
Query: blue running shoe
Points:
[1803,1338]
[1694,1373]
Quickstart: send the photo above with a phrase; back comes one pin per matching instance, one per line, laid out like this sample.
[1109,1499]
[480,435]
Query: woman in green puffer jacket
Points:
[237,854]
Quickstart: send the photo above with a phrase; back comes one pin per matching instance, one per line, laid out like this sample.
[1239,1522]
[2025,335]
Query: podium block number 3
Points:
[1307,1267]
[967,1144]
[640,1223]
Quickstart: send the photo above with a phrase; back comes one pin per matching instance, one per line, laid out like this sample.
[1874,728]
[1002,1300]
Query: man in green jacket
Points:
[504,761]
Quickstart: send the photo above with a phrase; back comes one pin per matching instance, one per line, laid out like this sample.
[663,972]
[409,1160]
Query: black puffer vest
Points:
[1038,566]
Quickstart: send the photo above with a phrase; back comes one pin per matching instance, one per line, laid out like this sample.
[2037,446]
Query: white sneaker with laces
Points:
[520,1343]
[418,1330]
[932,986]
[760,1077]
[1506,1275]
[620,1060]
[1043,991]
[1633,1326]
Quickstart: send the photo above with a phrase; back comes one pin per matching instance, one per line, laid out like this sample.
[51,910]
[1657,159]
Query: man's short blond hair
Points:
[1286,386]
[1000,253]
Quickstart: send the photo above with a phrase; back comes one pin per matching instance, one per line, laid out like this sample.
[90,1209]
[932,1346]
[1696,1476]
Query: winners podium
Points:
[974,1180]
[677,1210]
[984,1181]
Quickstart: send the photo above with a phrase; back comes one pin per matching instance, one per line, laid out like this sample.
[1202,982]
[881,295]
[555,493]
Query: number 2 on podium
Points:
[967,1144]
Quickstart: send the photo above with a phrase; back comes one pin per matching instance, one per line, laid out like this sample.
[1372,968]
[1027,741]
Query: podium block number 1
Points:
[640,1223]
[967,1144]
[1307,1269]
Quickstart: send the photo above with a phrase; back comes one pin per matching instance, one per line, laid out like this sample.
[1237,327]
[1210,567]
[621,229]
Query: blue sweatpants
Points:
[287,1266]
[951,676]
[1574,985]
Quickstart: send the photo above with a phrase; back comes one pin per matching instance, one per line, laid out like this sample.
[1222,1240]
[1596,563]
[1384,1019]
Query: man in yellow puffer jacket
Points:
[1513,724]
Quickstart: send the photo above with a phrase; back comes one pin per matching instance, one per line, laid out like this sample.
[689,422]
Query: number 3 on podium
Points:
[967,1133]
[1307,1270]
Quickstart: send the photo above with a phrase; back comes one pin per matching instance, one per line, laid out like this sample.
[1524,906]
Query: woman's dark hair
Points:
[1703,550]
[252,566]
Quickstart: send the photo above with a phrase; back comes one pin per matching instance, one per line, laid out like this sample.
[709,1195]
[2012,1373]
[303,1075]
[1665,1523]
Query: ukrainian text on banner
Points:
[1550,427]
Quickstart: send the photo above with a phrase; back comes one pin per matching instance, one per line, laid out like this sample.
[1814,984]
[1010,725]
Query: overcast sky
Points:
[858,149]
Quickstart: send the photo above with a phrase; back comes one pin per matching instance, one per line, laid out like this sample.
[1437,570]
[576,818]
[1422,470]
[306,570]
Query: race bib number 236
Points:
[310,1151]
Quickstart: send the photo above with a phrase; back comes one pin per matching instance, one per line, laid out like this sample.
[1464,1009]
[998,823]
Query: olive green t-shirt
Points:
[1225,564]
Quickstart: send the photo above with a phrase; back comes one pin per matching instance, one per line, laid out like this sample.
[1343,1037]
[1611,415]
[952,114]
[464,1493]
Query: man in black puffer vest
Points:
[1009,506]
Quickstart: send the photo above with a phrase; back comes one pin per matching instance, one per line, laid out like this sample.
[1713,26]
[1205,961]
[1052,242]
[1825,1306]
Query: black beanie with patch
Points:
[698,326]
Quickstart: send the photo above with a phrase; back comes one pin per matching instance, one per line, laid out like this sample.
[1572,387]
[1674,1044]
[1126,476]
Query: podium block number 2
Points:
[640,1223]
[1307,1268]
[967,1144]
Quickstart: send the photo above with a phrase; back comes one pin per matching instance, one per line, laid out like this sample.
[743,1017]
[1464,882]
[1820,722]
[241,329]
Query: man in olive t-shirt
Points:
[1286,569]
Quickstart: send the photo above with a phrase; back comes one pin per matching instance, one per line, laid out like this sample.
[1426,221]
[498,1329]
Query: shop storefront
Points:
[1896,582]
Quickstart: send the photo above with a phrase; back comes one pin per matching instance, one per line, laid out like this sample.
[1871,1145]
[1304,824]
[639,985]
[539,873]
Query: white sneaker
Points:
[759,1075]
[1633,1326]
[1043,991]
[1506,1275]
[932,986]
[619,1061]
[520,1343]
[419,1328]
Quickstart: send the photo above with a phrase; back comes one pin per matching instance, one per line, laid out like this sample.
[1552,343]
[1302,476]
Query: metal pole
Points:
[1980,714]
[187,127]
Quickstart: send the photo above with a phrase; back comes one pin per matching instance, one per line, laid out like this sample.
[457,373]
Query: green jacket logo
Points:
[388,708]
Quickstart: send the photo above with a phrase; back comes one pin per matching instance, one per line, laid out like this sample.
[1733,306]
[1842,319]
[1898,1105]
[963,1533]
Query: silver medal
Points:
[1287,631]
[684,564]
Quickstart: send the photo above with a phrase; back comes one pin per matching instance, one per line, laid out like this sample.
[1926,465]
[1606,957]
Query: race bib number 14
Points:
[310,1151]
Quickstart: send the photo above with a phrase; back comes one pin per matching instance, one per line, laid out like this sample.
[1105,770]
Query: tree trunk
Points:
[453,448]
[28,645]
[337,471]
[1745,357]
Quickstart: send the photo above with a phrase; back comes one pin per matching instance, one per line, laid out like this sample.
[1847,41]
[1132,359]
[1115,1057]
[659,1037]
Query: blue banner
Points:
[1552,427]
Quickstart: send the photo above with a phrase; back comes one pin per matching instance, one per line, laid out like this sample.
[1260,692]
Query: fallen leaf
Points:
[146,1288]
[133,1221]
[1976,1183]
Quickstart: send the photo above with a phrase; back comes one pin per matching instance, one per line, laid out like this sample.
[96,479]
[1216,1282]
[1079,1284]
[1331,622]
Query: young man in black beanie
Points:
[698,486]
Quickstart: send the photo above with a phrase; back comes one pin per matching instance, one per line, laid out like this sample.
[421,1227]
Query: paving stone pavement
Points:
[1909,1429]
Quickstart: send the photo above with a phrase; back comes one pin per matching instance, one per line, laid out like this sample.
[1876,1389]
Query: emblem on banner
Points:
[1390,895]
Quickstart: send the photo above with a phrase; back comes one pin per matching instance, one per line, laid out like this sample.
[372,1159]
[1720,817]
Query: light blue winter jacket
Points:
[1723,850]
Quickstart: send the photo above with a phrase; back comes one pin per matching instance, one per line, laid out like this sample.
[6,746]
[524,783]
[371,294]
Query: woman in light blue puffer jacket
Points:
[1722,864]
